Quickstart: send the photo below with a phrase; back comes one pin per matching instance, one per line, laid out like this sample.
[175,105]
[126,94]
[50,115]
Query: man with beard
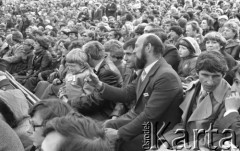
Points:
[157,92]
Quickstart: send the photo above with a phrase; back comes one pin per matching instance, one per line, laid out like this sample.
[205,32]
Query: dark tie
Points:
[203,94]
[95,71]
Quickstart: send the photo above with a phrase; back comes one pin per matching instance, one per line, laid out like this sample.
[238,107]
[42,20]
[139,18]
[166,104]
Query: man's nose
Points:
[125,57]
[30,130]
[210,81]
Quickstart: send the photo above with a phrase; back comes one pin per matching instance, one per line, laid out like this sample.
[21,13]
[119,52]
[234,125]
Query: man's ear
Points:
[148,47]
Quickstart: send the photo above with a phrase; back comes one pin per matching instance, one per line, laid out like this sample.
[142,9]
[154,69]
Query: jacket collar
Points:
[141,85]
[218,93]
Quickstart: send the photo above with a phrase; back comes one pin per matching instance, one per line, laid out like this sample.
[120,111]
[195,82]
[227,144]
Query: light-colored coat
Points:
[208,111]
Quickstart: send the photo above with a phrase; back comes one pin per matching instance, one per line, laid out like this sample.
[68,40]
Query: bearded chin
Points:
[141,62]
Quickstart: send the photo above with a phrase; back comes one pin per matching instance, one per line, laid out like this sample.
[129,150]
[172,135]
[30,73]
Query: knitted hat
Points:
[191,44]
[17,36]
[177,30]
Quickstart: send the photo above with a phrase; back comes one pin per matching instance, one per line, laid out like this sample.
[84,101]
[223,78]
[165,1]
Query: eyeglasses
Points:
[27,44]
[34,125]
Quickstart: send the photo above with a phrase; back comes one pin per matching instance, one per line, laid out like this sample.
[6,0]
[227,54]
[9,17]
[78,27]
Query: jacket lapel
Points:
[101,66]
[186,104]
[205,108]
[142,84]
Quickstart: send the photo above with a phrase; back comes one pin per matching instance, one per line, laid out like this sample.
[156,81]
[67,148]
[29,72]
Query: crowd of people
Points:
[103,68]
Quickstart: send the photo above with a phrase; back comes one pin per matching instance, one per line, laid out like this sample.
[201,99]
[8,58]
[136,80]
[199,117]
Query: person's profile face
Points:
[228,33]
[183,51]
[210,80]
[129,57]
[189,31]
[236,83]
[35,130]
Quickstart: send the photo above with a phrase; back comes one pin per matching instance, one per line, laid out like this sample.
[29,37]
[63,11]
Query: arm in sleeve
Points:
[166,89]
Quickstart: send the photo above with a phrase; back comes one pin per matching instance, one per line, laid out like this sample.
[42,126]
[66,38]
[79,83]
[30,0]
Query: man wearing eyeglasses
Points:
[42,112]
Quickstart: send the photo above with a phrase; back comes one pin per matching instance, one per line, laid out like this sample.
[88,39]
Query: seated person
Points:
[42,112]
[92,105]
[49,89]
[78,70]
[207,94]
[188,51]
[15,54]
[74,133]
[42,60]
[20,68]
[230,119]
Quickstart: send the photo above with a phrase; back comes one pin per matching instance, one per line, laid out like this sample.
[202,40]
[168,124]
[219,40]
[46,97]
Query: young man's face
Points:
[209,80]
[129,57]
[190,32]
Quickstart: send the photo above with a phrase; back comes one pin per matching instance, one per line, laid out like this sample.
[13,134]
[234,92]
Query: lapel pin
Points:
[145,94]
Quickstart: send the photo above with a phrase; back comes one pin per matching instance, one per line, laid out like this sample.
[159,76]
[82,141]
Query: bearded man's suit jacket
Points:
[157,97]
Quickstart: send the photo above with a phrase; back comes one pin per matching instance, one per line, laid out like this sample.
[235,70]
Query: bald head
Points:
[154,40]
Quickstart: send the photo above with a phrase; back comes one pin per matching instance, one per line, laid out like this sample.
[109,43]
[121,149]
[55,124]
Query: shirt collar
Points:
[98,65]
[220,91]
[149,67]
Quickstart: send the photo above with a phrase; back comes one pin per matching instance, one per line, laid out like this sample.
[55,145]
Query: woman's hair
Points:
[215,36]
[234,27]
[209,21]
[77,56]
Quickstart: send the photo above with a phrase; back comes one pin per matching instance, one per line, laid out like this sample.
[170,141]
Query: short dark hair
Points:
[130,43]
[162,35]
[211,61]
[156,42]
[80,133]
[117,34]
[140,29]
[76,44]
[94,49]
[50,108]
